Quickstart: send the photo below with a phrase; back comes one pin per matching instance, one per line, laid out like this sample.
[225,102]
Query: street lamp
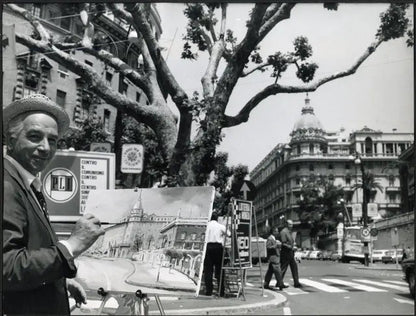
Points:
[358,161]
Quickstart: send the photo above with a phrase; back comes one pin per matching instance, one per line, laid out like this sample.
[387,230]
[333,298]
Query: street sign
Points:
[132,158]
[340,230]
[244,189]
[372,209]
[357,210]
[374,232]
[365,232]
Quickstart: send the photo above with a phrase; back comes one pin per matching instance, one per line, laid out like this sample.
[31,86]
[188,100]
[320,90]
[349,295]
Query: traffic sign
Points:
[374,232]
[365,232]
[372,209]
[132,158]
[357,210]
[244,189]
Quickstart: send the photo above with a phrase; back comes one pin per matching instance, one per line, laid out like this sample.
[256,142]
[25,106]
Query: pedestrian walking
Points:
[287,253]
[35,264]
[273,246]
[215,235]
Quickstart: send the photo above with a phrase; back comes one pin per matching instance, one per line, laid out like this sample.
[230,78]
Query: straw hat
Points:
[37,103]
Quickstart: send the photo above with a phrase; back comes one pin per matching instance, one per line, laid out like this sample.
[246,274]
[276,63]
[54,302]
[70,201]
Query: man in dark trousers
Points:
[288,254]
[215,236]
[273,246]
[35,264]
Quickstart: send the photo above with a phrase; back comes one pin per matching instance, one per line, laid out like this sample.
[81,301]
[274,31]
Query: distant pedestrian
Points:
[273,246]
[287,254]
[213,258]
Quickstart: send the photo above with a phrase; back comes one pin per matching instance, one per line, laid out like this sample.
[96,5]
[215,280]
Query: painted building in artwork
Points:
[312,152]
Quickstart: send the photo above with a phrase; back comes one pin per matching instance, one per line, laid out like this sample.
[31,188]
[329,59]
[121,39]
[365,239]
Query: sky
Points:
[380,95]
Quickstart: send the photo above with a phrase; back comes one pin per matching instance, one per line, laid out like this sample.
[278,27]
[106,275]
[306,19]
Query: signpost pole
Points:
[258,251]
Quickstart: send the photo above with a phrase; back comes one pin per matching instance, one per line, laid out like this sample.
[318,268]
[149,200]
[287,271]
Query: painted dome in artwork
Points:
[308,127]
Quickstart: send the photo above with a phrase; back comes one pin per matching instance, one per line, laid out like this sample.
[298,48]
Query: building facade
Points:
[27,72]
[313,152]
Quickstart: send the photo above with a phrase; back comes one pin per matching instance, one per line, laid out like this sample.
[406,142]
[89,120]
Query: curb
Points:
[379,268]
[278,300]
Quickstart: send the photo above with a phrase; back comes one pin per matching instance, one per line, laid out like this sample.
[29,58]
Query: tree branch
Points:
[274,89]
[258,67]
[34,21]
[281,14]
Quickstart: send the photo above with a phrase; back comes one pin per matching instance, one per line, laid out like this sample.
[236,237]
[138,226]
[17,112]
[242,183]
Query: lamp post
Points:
[358,161]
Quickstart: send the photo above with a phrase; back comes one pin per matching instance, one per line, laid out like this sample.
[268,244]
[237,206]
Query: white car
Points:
[315,254]
[378,254]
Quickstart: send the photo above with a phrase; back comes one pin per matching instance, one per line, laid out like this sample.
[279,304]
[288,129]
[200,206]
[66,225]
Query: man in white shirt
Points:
[36,265]
[215,236]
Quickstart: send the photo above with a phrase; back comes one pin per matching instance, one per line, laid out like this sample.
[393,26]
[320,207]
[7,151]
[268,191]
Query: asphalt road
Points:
[340,289]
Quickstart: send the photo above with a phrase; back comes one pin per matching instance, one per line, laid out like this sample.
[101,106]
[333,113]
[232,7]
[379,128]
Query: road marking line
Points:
[321,286]
[295,292]
[390,286]
[396,282]
[405,301]
[355,285]
[287,311]
[249,284]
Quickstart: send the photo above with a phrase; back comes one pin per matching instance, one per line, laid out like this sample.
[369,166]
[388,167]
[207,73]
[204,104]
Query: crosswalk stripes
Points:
[396,282]
[355,285]
[321,286]
[382,284]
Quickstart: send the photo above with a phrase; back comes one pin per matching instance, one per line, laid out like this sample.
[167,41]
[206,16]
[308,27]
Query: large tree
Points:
[190,161]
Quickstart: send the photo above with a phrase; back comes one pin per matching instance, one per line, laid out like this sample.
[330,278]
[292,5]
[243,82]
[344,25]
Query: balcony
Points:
[392,189]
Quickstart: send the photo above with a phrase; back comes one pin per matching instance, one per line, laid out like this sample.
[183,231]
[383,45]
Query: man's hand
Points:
[87,230]
[76,291]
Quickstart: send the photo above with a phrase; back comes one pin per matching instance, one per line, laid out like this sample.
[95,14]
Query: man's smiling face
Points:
[35,145]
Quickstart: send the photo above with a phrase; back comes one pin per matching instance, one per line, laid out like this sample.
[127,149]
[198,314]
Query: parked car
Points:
[378,254]
[304,254]
[408,267]
[390,256]
[298,256]
[316,254]
[335,256]
[326,255]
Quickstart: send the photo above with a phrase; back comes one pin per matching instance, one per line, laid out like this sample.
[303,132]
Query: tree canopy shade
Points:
[190,161]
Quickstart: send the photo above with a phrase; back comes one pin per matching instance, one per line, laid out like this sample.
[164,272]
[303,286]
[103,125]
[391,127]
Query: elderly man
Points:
[35,264]
[273,246]
[287,254]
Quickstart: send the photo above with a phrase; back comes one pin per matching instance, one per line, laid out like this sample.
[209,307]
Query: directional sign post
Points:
[244,189]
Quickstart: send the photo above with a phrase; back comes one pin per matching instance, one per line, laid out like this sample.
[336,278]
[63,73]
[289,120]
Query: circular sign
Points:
[60,185]
[365,232]
[374,232]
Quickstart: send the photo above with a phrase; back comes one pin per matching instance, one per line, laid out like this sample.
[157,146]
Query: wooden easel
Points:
[234,276]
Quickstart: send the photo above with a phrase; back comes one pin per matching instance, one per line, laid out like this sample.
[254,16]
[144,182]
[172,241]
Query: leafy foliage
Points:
[318,205]
[91,130]
[331,6]
[393,22]
[303,49]
[306,71]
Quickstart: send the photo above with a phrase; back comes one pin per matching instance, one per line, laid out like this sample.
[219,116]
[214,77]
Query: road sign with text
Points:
[357,210]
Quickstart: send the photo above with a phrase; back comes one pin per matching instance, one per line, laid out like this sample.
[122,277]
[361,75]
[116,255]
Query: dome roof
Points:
[308,119]
[307,127]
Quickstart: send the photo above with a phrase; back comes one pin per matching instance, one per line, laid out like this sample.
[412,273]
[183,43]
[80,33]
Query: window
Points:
[89,63]
[36,9]
[60,98]
[331,178]
[63,71]
[347,166]
[348,179]
[297,180]
[108,78]
[66,23]
[138,95]
[311,168]
[330,166]
[193,236]
[107,120]
[391,180]
[183,236]
[297,167]
[311,148]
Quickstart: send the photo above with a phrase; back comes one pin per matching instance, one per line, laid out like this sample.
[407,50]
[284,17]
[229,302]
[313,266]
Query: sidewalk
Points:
[380,266]
[201,305]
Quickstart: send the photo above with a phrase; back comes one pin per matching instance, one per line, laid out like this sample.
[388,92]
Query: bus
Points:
[353,246]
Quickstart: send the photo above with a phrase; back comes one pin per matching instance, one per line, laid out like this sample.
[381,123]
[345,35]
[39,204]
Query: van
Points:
[378,254]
